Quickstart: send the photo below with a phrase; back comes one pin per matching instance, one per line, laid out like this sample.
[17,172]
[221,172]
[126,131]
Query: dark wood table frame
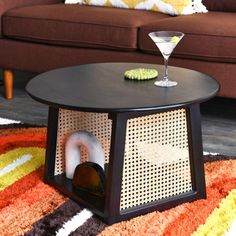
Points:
[108,207]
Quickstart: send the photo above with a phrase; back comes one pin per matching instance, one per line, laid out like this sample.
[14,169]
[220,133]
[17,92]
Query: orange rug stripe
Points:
[15,131]
[9,194]
[4,133]
[21,140]
[19,222]
[22,137]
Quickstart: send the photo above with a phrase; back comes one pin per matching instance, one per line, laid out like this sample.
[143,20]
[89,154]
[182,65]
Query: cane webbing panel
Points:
[156,159]
[70,121]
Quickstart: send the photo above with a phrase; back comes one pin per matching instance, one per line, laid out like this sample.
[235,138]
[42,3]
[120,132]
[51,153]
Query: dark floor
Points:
[218,116]
[219,126]
[22,107]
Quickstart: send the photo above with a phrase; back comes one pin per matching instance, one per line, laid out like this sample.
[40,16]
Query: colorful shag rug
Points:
[30,207]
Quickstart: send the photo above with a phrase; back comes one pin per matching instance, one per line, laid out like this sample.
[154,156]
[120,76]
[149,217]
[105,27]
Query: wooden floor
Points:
[218,116]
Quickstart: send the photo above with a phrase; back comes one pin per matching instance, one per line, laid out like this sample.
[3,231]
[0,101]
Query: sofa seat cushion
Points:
[210,36]
[75,25]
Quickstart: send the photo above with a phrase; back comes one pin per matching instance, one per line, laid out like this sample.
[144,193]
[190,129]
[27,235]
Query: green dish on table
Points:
[141,74]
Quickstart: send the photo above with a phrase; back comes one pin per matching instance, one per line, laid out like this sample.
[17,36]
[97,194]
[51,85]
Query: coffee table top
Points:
[102,88]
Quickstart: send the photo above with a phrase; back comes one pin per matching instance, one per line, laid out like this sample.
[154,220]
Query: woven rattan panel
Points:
[69,121]
[156,159]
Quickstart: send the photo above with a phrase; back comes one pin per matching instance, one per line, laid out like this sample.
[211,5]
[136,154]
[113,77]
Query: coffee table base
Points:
[153,159]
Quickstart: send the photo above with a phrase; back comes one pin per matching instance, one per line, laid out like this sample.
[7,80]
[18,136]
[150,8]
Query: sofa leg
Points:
[8,78]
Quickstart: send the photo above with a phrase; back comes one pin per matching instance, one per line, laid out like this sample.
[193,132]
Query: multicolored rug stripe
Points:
[30,207]
[221,219]
[27,205]
[185,219]
[24,198]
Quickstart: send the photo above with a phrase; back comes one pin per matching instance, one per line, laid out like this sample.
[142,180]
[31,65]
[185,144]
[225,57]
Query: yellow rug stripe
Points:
[221,219]
[8,158]
[24,169]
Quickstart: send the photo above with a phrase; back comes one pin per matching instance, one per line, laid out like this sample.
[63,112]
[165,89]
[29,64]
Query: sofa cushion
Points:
[76,25]
[6,5]
[210,36]
[171,7]
[220,5]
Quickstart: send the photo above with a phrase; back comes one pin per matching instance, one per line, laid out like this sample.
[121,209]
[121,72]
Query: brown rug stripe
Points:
[10,146]
[51,223]
[55,220]
[14,138]
[213,158]
[11,131]
[19,126]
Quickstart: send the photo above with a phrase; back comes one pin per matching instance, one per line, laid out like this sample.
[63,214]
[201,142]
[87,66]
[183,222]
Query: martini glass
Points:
[166,41]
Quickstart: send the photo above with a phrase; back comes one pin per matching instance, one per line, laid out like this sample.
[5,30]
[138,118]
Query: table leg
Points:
[196,151]
[51,144]
[114,178]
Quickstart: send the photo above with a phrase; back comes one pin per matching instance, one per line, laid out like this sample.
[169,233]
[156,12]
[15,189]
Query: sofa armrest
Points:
[6,5]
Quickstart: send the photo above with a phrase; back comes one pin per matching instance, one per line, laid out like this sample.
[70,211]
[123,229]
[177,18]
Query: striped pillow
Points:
[171,7]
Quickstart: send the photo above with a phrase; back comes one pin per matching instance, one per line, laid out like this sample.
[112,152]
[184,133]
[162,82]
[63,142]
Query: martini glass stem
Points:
[166,68]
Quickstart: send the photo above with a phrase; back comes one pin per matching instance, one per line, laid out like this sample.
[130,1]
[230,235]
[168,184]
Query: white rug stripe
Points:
[4,121]
[17,162]
[75,222]
[232,230]
[211,153]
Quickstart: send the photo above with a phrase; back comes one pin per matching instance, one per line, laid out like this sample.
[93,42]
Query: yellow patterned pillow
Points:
[171,7]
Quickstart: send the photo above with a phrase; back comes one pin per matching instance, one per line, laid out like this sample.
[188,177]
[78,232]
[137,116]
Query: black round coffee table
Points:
[151,136]
[101,87]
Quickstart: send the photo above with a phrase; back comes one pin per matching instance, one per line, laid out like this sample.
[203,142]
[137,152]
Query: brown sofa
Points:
[39,35]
